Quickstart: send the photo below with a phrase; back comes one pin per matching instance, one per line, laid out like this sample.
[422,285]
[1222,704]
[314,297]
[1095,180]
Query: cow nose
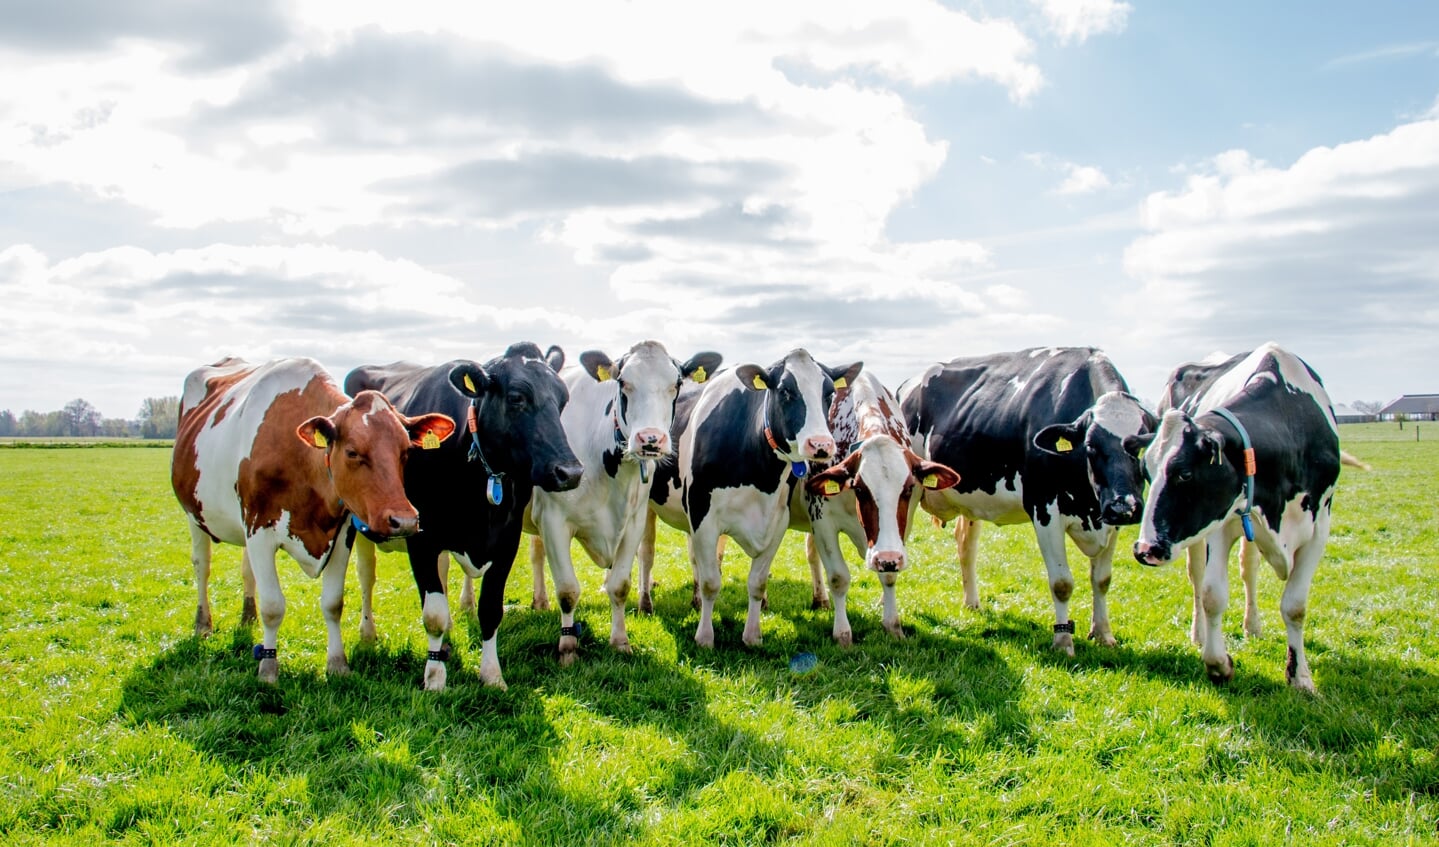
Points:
[1120,513]
[818,447]
[1151,554]
[400,526]
[652,442]
[888,561]
[564,476]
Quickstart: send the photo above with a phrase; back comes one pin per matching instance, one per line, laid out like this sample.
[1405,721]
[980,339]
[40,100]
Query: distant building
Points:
[1348,414]
[1415,407]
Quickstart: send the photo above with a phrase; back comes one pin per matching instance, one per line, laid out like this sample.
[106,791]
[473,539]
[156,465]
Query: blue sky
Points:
[899,183]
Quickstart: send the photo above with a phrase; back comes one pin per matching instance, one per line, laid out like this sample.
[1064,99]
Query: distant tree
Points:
[159,416]
[9,424]
[35,424]
[79,418]
[119,428]
[1368,407]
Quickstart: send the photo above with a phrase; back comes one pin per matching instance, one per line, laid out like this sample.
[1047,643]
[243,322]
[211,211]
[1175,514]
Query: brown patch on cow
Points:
[868,512]
[185,457]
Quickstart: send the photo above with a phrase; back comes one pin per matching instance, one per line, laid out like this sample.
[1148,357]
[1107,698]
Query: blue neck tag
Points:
[494,491]
[799,469]
[1248,526]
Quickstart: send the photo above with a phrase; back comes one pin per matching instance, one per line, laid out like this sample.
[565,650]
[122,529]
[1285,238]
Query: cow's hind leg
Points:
[1061,580]
[1293,605]
[200,559]
[1249,561]
[539,599]
[826,542]
[646,556]
[818,599]
[365,571]
[272,606]
[249,611]
[966,540]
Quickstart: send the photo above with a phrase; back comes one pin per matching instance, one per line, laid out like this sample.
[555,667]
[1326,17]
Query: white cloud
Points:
[1077,20]
[1083,179]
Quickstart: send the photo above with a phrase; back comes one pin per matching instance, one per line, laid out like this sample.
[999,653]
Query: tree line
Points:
[79,419]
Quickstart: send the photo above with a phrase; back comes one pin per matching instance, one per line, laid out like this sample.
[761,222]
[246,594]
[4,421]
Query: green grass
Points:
[120,726]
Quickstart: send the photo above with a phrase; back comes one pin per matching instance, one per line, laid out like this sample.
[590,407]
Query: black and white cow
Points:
[618,422]
[1035,436]
[870,495]
[1199,488]
[744,444]
[472,492]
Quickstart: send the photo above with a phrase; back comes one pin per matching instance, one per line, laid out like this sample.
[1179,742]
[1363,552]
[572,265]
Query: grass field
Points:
[118,725]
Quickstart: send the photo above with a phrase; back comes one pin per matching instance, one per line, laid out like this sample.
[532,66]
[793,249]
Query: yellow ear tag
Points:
[321,440]
[831,487]
[430,441]
[603,373]
[759,382]
[930,481]
[699,375]
[841,383]
[470,384]
[1062,445]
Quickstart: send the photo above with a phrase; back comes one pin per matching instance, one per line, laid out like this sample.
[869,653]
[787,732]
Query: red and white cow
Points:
[275,457]
[870,496]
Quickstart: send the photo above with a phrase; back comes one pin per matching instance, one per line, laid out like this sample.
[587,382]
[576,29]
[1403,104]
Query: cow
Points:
[870,495]
[472,492]
[618,422]
[748,437]
[1253,453]
[274,457]
[1035,435]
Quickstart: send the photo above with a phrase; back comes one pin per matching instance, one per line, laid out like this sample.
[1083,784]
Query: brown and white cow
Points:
[275,457]
[871,496]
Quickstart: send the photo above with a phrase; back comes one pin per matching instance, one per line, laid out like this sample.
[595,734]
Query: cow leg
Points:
[434,610]
[818,599]
[1249,571]
[200,559]
[966,539]
[1214,597]
[646,556]
[248,613]
[720,545]
[539,599]
[491,610]
[1293,604]
[1100,571]
[758,596]
[617,578]
[365,571]
[1061,580]
[332,604]
[467,594]
[567,586]
[890,605]
[271,601]
[826,542]
[1194,561]
[706,567]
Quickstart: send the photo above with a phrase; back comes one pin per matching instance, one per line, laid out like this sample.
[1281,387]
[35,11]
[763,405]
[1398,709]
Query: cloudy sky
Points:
[898,182]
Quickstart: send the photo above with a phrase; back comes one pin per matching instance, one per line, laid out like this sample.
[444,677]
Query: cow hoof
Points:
[1252,629]
[493,678]
[705,640]
[367,631]
[753,641]
[1103,638]
[1221,675]
[248,613]
[1304,684]
[974,605]
[621,645]
[269,671]
[540,604]
[1064,643]
[844,639]
[895,631]
[819,603]
[203,625]
[434,676]
[647,605]
[337,666]
[569,649]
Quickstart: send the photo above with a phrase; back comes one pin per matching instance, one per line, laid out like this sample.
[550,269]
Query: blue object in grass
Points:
[803,663]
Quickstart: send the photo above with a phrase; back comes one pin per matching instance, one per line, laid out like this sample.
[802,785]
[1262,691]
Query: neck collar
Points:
[1250,466]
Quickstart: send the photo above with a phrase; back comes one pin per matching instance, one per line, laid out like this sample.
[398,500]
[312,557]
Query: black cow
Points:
[1204,489]
[749,435]
[1036,436]
[472,492]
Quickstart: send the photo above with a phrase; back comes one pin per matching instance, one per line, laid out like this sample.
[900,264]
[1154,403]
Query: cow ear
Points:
[1137,444]
[597,365]
[701,366]
[752,377]
[831,481]
[469,379]
[318,432]
[428,431]
[555,358]
[1212,445]
[844,374]
[1060,439]
[934,476]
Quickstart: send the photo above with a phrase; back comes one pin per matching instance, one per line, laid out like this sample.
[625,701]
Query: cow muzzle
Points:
[818,447]
[650,443]
[563,476]
[396,524]
[1122,511]
[887,561]
[1151,554]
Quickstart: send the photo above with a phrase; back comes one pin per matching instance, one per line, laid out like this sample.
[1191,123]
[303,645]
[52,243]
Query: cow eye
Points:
[515,398]
[352,453]
[1184,476]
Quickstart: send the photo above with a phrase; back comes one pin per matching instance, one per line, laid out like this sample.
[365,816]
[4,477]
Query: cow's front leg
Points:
[646,556]
[200,559]
[1061,580]
[1101,568]
[617,578]
[490,606]
[539,600]
[818,599]
[556,545]
[1249,571]
[705,565]
[1195,563]
[332,604]
[435,611]
[272,606]
[890,605]
[826,542]
[1214,596]
[365,571]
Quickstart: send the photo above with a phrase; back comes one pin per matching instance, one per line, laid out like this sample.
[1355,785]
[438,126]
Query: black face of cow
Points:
[1101,433]
[1193,488]
[521,398]
[798,393]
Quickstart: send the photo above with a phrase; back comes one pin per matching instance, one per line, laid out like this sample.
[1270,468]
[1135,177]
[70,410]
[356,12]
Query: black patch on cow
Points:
[730,450]
[612,459]
[1291,666]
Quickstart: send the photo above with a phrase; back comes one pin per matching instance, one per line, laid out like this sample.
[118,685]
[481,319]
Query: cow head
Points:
[519,399]
[647,383]
[883,475]
[1192,487]
[1098,436]
[366,442]
[798,391]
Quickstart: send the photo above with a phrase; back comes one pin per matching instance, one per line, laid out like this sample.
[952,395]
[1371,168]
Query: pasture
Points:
[118,725]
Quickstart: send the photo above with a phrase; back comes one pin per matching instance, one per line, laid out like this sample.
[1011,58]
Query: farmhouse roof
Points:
[1412,404]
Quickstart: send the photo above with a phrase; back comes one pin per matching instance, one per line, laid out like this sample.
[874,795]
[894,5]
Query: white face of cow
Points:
[798,392]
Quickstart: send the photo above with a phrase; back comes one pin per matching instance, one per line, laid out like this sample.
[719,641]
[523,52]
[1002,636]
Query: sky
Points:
[899,183]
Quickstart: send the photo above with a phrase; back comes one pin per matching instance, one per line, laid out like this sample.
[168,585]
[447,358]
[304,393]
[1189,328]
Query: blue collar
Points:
[1249,469]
